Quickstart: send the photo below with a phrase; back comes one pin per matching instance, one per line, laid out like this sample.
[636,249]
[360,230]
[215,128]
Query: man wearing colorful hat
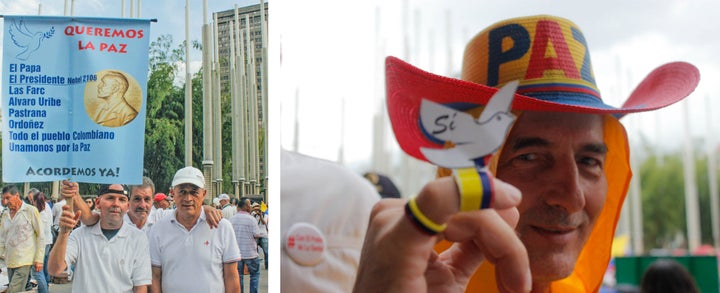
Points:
[562,172]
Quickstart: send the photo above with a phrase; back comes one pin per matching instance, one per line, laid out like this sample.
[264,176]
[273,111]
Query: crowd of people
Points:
[128,238]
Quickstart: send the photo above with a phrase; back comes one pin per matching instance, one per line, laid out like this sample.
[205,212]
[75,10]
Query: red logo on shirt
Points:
[207,243]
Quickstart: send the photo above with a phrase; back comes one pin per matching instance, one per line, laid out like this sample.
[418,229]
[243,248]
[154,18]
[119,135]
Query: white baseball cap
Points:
[224,196]
[189,175]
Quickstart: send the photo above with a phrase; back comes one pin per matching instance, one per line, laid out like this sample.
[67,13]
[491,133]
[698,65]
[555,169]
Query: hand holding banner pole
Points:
[68,190]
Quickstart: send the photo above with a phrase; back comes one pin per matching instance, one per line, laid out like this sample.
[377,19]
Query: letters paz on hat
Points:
[550,59]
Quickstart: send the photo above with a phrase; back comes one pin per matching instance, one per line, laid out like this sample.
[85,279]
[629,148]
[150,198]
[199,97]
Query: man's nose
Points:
[566,189]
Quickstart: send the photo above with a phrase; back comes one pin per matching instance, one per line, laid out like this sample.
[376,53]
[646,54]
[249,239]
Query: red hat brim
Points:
[407,85]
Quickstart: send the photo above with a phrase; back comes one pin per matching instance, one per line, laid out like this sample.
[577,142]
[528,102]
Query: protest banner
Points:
[73,104]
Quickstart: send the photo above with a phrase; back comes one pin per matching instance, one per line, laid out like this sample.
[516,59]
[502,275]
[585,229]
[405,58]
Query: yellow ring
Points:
[424,220]
[470,188]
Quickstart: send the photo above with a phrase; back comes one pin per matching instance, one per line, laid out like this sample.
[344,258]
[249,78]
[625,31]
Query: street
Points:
[66,288]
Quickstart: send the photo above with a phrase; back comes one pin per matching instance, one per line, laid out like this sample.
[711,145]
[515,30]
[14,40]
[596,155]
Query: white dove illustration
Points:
[24,38]
[473,139]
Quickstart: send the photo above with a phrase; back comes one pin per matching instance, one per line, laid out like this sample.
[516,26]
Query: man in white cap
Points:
[227,209]
[186,255]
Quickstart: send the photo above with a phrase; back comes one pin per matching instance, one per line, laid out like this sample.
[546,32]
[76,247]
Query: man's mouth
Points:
[555,229]
[556,234]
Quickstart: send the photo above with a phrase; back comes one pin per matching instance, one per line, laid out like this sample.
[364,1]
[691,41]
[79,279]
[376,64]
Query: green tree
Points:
[164,124]
[663,200]
[663,206]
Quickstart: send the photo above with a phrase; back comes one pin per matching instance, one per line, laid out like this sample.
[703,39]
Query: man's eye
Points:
[528,157]
[590,161]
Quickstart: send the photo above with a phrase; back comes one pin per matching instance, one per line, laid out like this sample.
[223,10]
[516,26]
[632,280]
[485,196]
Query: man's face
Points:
[105,88]
[557,160]
[112,206]
[189,199]
[141,199]
[12,202]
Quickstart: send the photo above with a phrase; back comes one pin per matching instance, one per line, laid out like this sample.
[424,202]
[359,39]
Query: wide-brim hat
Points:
[549,57]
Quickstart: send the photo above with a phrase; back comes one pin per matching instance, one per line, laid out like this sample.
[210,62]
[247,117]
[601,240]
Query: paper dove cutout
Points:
[473,139]
[27,40]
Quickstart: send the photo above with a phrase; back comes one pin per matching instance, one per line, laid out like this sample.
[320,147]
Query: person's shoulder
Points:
[161,223]
[31,208]
[130,228]
[164,220]
[302,175]
[293,162]
[58,205]
[82,230]
[225,224]
[240,216]
[133,233]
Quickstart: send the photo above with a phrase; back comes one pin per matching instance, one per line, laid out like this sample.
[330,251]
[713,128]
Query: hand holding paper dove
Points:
[473,139]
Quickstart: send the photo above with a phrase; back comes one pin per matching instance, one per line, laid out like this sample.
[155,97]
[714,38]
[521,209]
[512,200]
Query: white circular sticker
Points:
[305,244]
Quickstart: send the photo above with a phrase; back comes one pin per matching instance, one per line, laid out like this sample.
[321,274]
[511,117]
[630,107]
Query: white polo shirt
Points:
[229,211]
[116,265]
[57,211]
[192,261]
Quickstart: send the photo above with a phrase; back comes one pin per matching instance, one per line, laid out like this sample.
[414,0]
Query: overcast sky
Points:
[330,62]
[170,14]
[332,53]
